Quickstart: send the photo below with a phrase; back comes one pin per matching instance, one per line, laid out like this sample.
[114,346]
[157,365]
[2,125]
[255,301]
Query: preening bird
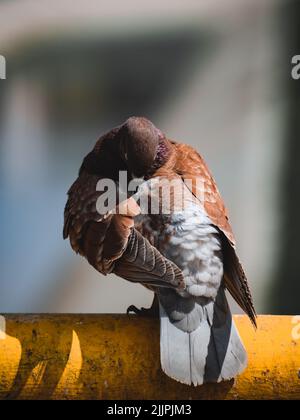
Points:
[186,255]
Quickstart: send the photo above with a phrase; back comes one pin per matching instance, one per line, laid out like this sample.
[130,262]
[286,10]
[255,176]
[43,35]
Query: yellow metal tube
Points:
[117,357]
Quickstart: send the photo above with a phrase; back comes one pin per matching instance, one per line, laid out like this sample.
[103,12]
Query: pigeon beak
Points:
[136,179]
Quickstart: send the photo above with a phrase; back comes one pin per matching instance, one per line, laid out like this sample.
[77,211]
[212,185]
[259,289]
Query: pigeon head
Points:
[144,147]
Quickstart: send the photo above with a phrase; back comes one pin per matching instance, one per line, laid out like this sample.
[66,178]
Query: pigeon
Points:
[184,252]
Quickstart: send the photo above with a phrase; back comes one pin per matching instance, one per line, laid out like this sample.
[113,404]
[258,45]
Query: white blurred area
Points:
[224,101]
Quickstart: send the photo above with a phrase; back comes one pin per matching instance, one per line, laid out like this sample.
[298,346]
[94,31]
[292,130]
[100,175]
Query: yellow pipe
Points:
[117,357]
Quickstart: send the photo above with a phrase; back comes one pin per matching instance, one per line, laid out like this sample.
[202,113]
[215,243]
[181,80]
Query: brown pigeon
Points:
[184,252]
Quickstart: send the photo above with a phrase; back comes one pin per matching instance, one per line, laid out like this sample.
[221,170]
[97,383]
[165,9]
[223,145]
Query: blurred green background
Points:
[213,74]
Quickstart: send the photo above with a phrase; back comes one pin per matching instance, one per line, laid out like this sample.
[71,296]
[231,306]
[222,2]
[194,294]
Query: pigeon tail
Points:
[212,352]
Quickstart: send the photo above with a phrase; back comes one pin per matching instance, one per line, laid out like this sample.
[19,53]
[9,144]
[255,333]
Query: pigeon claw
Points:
[151,312]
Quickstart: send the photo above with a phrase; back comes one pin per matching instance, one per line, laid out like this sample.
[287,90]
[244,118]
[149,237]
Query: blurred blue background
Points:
[212,74]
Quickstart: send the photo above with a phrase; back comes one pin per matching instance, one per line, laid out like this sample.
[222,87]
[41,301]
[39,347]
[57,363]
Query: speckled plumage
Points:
[195,247]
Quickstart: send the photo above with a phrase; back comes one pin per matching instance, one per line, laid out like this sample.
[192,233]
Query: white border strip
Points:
[2,328]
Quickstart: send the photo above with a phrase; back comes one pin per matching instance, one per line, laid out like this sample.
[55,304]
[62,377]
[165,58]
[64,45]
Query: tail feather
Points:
[226,355]
[174,350]
[211,353]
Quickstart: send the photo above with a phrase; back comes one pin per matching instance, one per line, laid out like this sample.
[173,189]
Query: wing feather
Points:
[187,163]
[111,243]
[143,263]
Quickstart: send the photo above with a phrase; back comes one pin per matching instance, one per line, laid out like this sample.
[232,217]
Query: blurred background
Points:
[213,74]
